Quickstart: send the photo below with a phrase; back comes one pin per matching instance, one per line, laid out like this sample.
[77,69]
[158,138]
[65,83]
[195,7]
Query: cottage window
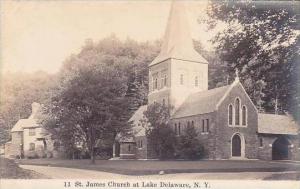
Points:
[31,147]
[230,114]
[237,111]
[32,132]
[181,79]
[196,81]
[244,115]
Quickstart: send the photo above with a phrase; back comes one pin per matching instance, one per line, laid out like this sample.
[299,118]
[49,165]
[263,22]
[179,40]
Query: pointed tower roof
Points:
[177,41]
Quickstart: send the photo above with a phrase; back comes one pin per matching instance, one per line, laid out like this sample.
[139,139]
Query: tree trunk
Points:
[92,156]
[92,144]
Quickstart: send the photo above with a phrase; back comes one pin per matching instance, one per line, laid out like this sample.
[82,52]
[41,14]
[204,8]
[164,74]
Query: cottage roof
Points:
[30,122]
[277,124]
[24,123]
[201,102]
[177,42]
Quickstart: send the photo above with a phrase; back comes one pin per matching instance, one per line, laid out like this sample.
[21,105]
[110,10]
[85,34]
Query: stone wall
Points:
[265,151]
[127,150]
[207,139]
[14,148]
[141,147]
[225,131]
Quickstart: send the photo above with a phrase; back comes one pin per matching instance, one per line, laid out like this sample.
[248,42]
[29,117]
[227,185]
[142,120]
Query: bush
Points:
[189,146]
[163,141]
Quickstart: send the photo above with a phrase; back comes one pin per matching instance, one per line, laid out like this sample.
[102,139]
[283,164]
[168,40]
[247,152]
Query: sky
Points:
[40,35]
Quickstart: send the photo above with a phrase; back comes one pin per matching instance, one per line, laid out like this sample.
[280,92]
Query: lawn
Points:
[10,170]
[135,167]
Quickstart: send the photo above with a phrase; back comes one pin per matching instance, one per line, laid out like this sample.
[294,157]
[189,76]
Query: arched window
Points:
[165,80]
[155,83]
[196,81]
[244,115]
[237,111]
[181,79]
[230,114]
[192,123]
[164,102]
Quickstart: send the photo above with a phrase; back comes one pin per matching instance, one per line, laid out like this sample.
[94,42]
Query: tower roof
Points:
[177,41]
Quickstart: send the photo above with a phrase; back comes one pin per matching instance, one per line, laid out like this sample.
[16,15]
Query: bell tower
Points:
[178,70]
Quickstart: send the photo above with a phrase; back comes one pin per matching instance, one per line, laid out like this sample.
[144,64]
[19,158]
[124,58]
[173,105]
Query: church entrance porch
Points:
[280,149]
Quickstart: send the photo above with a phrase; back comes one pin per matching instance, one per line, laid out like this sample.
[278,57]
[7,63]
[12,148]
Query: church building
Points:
[228,124]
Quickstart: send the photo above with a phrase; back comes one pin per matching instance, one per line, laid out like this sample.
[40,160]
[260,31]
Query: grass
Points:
[133,167]
[10,170]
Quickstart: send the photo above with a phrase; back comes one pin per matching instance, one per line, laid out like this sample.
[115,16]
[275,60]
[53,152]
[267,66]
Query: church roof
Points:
[277,124]
[177,42]
[201,102]
[137,127]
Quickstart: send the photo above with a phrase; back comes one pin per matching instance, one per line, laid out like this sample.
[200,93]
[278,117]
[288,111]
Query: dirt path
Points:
[70,173]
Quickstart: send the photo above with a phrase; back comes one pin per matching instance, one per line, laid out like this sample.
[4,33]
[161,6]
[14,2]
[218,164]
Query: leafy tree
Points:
[188,145]
[98,93]
[91,101]
[261,42]
[159,133]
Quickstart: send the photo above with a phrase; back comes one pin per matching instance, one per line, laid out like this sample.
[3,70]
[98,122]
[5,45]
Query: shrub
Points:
[189,146]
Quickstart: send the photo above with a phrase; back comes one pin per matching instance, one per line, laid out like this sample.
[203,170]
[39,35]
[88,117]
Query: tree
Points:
[97,94]
[90,102]
[188,145]
[261,42]
[159,133]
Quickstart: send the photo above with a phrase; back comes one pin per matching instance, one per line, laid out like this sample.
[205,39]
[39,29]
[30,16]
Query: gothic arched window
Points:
[237,111]
[165,80]
[155,83]
[230,114]
[244,115]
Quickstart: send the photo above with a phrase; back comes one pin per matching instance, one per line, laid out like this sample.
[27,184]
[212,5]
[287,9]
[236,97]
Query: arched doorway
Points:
[117,149]
[280,149]
[236,146]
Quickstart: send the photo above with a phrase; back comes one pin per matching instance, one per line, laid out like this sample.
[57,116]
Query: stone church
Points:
[228,123]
